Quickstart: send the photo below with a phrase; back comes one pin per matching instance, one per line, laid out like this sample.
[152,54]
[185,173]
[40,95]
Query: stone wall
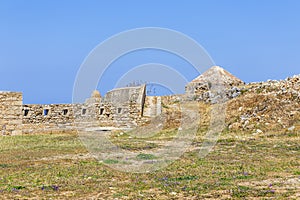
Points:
[260,105]
[98,113]
[126,105]
[120,108]
[152,106]
[11,113]
[47,118]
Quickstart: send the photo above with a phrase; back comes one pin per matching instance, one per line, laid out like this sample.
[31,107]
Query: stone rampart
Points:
[11,113]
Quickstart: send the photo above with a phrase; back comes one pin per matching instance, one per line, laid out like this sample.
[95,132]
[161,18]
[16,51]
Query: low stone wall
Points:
[120,108]
[47,118]
[43,118]
[11,113]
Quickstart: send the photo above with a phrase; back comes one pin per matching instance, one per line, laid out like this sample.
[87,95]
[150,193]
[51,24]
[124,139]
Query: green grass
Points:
[143,156]
[111,161]
[240,166]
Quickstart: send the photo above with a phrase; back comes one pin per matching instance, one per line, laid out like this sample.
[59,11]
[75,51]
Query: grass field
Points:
[57,166]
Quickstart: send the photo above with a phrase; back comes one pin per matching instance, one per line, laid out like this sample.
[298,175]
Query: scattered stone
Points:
[291,128]
[258,131]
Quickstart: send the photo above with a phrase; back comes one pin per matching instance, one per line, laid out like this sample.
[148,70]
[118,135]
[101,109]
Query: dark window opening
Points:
[83,111]
[101,111]
[26,112]
[65,111]
[107,115]
[119,110]
[46,112]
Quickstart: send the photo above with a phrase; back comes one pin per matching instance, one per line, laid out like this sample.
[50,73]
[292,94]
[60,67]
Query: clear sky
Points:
[43,43]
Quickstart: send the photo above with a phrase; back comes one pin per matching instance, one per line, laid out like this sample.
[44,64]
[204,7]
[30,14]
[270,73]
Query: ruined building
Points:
[122,107]
[205,86]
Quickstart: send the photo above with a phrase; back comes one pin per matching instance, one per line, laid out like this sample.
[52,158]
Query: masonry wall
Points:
[11,113]
[97,113]
[122,107]
[126,105]
[47,118]
[39,118]
[152,106]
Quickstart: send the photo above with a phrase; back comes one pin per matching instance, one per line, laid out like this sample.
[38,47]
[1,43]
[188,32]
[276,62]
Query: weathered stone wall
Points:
[126,105]
[260,105]
[152,107]
[123,107]
[97,113]
[11,113]
[120,108]
[47,118]
[63,117]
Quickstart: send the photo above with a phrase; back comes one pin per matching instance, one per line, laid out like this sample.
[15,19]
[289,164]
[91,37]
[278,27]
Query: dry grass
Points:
[58,166]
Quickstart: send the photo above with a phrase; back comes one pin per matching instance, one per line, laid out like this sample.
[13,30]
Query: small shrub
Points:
[4,165]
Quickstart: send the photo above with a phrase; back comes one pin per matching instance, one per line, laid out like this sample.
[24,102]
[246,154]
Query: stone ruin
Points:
[11,113]
[126,107]
[213,83]
[96,111]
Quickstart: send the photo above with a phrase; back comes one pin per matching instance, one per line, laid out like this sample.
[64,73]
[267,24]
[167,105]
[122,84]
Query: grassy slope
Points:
[58,166]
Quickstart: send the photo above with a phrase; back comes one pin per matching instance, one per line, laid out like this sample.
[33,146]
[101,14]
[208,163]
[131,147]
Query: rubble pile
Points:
[213,85]
[264,106]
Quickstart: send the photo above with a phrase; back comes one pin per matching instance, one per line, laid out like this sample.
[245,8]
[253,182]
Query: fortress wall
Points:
[105,114]
[39,118]
[43,118]
[152,106]
[47,118]
[11,113]
[97,113]
[122,107]
[126,105]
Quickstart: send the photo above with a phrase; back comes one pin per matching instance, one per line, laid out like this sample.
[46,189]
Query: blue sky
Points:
[43,43]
